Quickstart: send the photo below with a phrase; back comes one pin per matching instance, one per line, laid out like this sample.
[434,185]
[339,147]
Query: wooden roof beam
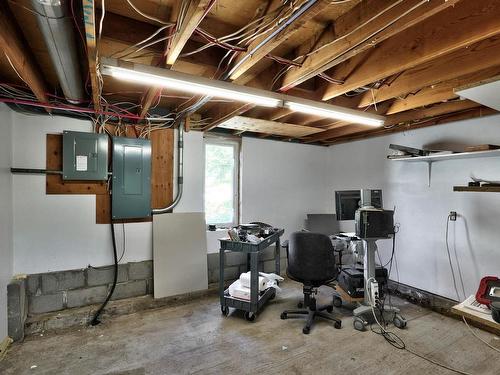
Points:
[264,44]
[440,92]
[482,55]
[13,45]
[184,28]
[466,23]
[367,24]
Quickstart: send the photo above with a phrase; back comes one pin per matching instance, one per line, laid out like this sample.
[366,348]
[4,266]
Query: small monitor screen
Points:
[348,201]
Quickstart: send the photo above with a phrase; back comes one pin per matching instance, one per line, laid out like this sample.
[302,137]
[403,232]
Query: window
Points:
[221,181]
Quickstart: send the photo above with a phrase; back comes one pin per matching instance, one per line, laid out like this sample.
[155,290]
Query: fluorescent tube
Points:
[338,113]
[192,86]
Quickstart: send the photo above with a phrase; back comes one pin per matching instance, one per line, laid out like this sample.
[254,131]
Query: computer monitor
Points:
[347,202]
[322,223]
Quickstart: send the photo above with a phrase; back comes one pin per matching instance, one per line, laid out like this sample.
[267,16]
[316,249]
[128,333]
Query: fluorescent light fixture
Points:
[335,112]
[192,84]
[154,76]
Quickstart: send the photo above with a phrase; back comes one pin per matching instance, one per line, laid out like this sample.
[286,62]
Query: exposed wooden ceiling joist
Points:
[366,25]
[184,28]
[440,92]
[19,56]
[479,56]
[264,44]
[466,23]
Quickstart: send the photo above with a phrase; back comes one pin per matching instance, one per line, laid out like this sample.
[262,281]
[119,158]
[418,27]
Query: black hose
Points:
[95,320]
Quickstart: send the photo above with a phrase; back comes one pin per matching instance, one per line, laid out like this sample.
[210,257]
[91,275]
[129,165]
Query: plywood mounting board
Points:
[269,127]
[179,253]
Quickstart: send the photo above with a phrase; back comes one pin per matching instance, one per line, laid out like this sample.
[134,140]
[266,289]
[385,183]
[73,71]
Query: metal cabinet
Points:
[131,192]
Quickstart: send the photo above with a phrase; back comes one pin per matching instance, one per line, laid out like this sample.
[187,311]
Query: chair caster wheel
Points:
[399,321]
[306,330]
[283,316]
[359,324]
[249,316]
[338,325]
[337,302]
[329,309]
[300,305]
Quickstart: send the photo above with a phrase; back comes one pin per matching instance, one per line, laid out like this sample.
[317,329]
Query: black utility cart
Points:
[257,300]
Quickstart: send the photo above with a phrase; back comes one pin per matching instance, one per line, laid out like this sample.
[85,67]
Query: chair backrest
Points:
[311,258]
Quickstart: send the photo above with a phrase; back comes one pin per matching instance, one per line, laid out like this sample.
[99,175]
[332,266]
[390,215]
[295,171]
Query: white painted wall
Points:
[282,182]
[58,232]
[422,210]
[6,242]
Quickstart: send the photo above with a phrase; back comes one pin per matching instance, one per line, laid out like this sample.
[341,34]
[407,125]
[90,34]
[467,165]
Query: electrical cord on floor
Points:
[95,320]
[449,258]
[478,337]
[463,289]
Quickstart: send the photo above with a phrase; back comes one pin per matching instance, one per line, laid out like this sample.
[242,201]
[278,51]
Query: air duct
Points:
[57,29]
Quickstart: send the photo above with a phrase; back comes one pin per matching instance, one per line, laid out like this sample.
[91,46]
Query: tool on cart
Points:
[267,235]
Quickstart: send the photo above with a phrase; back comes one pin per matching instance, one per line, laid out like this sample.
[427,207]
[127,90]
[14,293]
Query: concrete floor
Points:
[195,339]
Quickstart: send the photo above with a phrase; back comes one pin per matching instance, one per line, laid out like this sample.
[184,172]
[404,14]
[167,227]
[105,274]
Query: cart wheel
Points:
[249,316]
[283,315]
[337,302]
[338,325]
[272,296]
[359,324]
[399,321]
[224,310]
[300,305]
[306,330]
[329,308]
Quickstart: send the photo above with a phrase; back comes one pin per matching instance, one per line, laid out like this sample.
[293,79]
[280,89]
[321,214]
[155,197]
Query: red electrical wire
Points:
[68,108]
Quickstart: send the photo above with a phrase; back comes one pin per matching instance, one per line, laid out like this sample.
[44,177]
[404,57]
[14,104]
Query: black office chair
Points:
[311,261]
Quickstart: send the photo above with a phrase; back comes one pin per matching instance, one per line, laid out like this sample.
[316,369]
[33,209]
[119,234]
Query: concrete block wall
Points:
[55,291]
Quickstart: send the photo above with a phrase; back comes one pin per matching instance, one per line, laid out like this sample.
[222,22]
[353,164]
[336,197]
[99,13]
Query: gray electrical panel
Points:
[85,156]
[131,192]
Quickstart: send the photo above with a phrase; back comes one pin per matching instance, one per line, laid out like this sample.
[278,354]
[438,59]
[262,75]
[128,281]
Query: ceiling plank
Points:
[269,127]
[440,92]
[88,7]
[265,43]
[466,23]
[184,28]
[15,48]
[465,114]
[219,114]
[480,56]
[367,24]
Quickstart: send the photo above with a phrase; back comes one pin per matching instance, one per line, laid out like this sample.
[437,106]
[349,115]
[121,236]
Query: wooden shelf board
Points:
[484,189]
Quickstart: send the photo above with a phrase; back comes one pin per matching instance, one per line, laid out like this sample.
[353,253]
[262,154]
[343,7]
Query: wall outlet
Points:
[453,215]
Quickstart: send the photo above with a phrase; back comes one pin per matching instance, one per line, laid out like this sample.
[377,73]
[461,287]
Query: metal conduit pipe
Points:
[180,173]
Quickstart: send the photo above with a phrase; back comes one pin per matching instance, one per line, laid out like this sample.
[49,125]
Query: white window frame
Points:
[236,144]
